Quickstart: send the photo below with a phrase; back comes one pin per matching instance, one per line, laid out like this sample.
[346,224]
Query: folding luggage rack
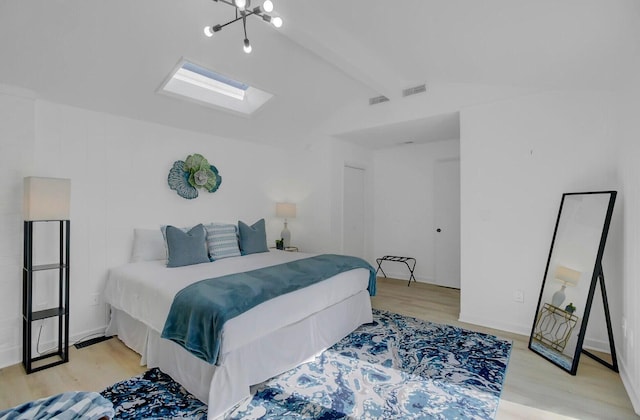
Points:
[393,258]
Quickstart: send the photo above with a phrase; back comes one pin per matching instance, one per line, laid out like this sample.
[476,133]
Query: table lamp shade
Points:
[46,198]
[286,210]
[567,276]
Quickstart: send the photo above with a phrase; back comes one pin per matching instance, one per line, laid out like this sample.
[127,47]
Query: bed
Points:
[269,339]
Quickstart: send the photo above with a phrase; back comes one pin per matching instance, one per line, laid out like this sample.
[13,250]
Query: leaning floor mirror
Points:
[574,269]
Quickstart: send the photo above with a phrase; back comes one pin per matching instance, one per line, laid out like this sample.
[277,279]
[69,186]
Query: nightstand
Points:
[288,248]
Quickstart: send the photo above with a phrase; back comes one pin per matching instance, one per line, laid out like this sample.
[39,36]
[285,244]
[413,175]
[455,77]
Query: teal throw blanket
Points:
[199,311]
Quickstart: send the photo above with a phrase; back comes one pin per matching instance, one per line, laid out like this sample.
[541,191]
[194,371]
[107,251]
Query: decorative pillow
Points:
[186,248]
[163,229]
[222,240]
[253,239]
[148,245]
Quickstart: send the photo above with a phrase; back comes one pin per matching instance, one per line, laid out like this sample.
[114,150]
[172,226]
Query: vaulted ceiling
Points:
[323,65]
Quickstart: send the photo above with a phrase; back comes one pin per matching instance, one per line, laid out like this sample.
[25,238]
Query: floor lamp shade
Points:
[46,198]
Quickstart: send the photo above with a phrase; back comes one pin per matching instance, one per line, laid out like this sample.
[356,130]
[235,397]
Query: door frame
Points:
[367,214]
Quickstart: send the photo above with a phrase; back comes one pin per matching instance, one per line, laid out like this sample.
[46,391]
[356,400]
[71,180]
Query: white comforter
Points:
[145,290]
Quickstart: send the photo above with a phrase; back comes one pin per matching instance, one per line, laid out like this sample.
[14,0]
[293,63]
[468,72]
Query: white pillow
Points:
[148,245]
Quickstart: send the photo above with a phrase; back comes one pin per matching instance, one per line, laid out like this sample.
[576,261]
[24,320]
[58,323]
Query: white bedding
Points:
[145,291]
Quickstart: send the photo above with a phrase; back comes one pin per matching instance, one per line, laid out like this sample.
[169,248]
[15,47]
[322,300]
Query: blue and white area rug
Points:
[153,395]
[396,367]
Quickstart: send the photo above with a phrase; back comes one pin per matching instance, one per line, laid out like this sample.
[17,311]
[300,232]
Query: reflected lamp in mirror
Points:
[46,198]
[286,211]
[567,277]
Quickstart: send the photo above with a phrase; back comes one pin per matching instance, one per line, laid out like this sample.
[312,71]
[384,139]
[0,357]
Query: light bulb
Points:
[208,31]
[277,21]
[267,6]
[247,46]
[241,4]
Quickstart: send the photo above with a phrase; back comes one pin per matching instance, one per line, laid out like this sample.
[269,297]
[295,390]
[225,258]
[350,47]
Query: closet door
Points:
[447,222]
[353,212]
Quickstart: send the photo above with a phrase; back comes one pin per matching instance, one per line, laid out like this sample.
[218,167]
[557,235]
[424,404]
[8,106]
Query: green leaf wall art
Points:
[195,172]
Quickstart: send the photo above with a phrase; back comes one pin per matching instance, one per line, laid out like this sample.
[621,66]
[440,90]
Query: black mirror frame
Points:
[597,275]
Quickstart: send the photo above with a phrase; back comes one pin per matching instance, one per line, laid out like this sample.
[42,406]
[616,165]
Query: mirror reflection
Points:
[572,268]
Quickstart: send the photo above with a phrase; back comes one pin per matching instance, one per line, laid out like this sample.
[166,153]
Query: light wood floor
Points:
[533,389]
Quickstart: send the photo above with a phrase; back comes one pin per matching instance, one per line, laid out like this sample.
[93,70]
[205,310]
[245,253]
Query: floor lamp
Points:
[46,200]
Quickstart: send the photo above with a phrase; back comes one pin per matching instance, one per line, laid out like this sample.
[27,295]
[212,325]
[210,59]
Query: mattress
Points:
[306,320]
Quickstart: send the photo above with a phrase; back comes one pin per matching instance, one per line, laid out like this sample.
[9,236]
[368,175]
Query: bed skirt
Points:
[225,385]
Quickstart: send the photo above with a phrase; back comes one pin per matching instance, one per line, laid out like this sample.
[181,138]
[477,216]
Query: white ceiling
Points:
[325,63]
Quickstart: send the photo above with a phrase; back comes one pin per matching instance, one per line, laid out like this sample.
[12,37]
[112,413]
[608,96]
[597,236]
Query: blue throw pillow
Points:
[186,248]
[253,239]
[222,240]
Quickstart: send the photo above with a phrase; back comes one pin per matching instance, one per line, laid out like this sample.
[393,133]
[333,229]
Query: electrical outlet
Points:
[518,296]
[95,299]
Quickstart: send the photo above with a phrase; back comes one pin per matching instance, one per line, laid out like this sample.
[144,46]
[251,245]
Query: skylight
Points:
[207,87]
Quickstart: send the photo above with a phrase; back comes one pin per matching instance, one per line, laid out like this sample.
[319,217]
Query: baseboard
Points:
[490,323]
[13,355]
[404,276]
[10,356]
[589,344]
[597,345]
[632,392]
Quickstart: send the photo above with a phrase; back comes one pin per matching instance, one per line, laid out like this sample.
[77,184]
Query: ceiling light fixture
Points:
[244,10]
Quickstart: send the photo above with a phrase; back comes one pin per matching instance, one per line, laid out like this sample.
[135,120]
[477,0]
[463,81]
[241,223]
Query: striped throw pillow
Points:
[222,240]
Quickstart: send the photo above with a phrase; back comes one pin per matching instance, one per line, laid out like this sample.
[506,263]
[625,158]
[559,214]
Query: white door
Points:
[353,212]
[447,223]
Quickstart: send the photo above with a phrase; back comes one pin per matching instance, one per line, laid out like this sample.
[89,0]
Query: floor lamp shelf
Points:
[59,310]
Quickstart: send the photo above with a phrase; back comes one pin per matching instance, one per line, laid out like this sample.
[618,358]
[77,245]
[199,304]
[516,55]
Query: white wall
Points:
[118,169]
[517,158]
[404,204]
[629,345]
[16,148]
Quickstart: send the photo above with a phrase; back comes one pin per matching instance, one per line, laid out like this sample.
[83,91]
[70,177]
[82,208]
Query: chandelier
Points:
[244,10]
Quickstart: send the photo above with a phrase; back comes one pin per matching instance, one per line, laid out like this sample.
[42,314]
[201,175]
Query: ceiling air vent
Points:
[414,90]
[378,100]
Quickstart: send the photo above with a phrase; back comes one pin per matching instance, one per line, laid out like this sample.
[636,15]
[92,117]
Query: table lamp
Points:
[287,211]
[567,277]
